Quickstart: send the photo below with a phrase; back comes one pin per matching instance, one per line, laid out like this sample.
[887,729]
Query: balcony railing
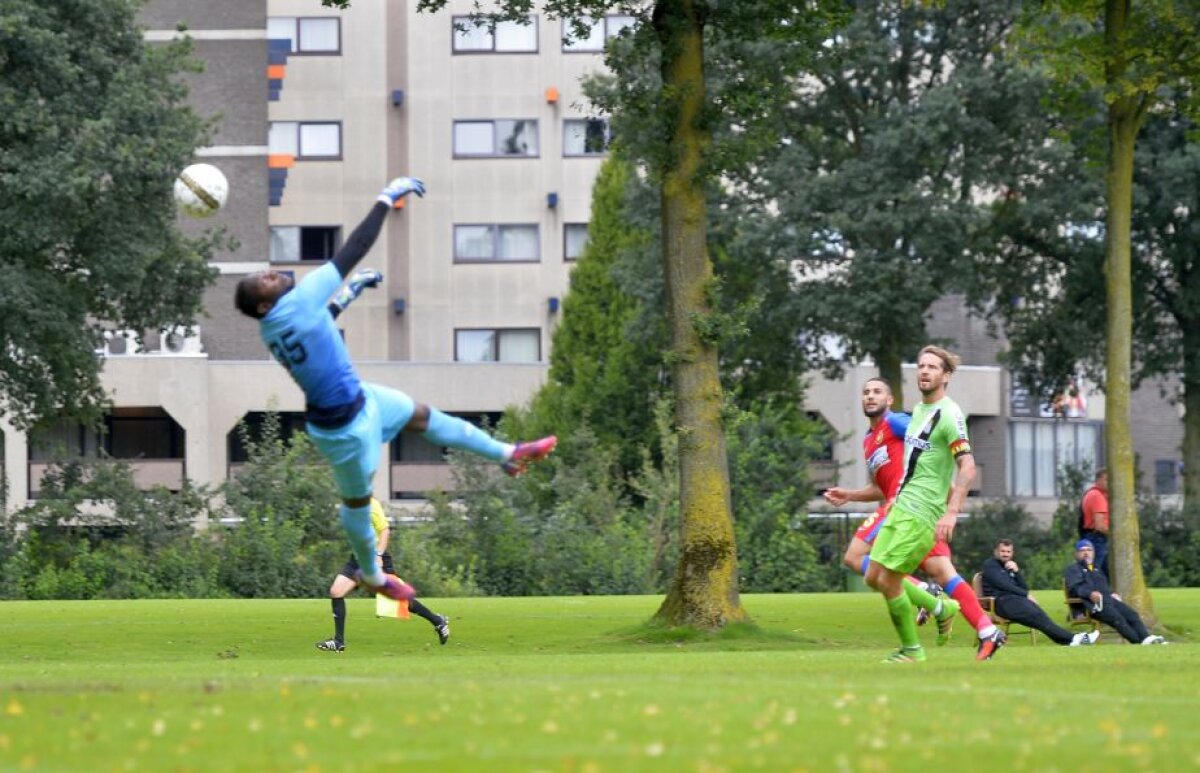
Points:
[415,479]
[147,473]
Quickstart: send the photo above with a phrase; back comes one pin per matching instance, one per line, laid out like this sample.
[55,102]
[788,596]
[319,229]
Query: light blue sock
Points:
[356,522]
[454,432]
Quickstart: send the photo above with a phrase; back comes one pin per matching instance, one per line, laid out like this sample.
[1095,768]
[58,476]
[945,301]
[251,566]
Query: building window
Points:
[498,345]
[128,433]
[410,448]
[258,427]
[488,243]
[290,243]
[824,435]
[306,139]
[501,137]
[143,434]
[64,440]
[1039,450]
[585,137]
[499,37]
[598,32]
[317,36]
[1166,477]
[575,239]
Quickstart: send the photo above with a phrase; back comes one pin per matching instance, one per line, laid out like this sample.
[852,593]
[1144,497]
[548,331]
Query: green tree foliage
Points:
[588,541]
[287,540]
[1051,233]
[607,352]
[678,114]
[1166,236]
[94,129]
[93,534]
[770,499]
[606,369]
[907,121]
[1135,56]
[284,479]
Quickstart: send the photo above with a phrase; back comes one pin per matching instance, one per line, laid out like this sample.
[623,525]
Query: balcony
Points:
[411,480]
[147,473]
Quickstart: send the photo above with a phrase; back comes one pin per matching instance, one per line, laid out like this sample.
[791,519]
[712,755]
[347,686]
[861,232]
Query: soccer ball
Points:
[201,189]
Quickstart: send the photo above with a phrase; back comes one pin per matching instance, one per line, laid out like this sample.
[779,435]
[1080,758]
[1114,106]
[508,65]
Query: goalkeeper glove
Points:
[399,188]
[367,277]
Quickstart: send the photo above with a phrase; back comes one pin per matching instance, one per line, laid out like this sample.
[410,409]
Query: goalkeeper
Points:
[348,420]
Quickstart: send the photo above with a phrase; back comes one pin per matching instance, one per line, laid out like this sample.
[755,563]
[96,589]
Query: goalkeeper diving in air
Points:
[347,419]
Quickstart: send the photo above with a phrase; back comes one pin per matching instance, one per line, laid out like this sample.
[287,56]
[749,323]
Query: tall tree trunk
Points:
[704,591]
[1125,560]
[892,371]
[1191,413]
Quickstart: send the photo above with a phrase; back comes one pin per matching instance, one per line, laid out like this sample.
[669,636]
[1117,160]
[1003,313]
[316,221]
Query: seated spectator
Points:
[1003,581]
[1086,581]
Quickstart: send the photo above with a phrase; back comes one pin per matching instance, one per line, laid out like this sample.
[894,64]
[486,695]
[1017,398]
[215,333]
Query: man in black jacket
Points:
[1002,579]
[1087,582]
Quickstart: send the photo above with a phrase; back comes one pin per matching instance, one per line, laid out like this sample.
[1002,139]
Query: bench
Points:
[1079,612]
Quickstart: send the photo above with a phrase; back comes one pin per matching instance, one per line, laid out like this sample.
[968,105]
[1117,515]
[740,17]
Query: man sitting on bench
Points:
[1002,580]
[1086,581]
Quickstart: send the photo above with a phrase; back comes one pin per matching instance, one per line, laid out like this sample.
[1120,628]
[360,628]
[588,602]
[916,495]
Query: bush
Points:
[571,525]
[1170,543]
[767,451]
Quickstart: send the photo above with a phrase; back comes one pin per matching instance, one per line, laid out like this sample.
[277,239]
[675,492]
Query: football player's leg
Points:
[941,570]
[894,554]
[341,586]
[353,452]
[857,557]
[400,412]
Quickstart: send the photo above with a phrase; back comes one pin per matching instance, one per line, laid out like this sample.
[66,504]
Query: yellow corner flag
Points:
[385,607]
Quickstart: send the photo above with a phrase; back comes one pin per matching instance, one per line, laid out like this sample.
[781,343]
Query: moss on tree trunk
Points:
[704,592]
[1125,561]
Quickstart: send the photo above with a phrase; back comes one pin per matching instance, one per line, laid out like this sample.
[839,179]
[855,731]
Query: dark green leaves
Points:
[93,128]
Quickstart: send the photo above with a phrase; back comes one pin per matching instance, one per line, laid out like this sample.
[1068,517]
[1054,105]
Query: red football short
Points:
[940,548]
[869,528]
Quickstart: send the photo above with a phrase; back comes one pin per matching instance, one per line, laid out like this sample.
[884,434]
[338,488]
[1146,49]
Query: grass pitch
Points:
[574,684]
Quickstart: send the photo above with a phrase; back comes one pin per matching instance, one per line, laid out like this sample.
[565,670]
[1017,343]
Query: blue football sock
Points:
[454,432]
[356,522]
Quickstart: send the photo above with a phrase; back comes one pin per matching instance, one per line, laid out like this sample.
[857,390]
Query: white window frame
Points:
[337,231]
[280,130]
[461,23]
[568,123]
[612,23]
[297,22]
[496,231]
[567,228]
[1049,442]
[497,343]
[495,140]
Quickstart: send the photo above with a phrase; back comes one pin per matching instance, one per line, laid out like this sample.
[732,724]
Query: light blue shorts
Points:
[354,449]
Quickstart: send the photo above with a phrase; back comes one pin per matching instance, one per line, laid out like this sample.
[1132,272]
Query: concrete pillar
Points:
[16,466]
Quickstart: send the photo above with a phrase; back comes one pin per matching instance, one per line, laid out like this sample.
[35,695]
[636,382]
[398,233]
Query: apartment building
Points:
[316,110]
[1019,443]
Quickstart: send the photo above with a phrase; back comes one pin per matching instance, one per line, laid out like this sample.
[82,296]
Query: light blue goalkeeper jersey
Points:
[300,333]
